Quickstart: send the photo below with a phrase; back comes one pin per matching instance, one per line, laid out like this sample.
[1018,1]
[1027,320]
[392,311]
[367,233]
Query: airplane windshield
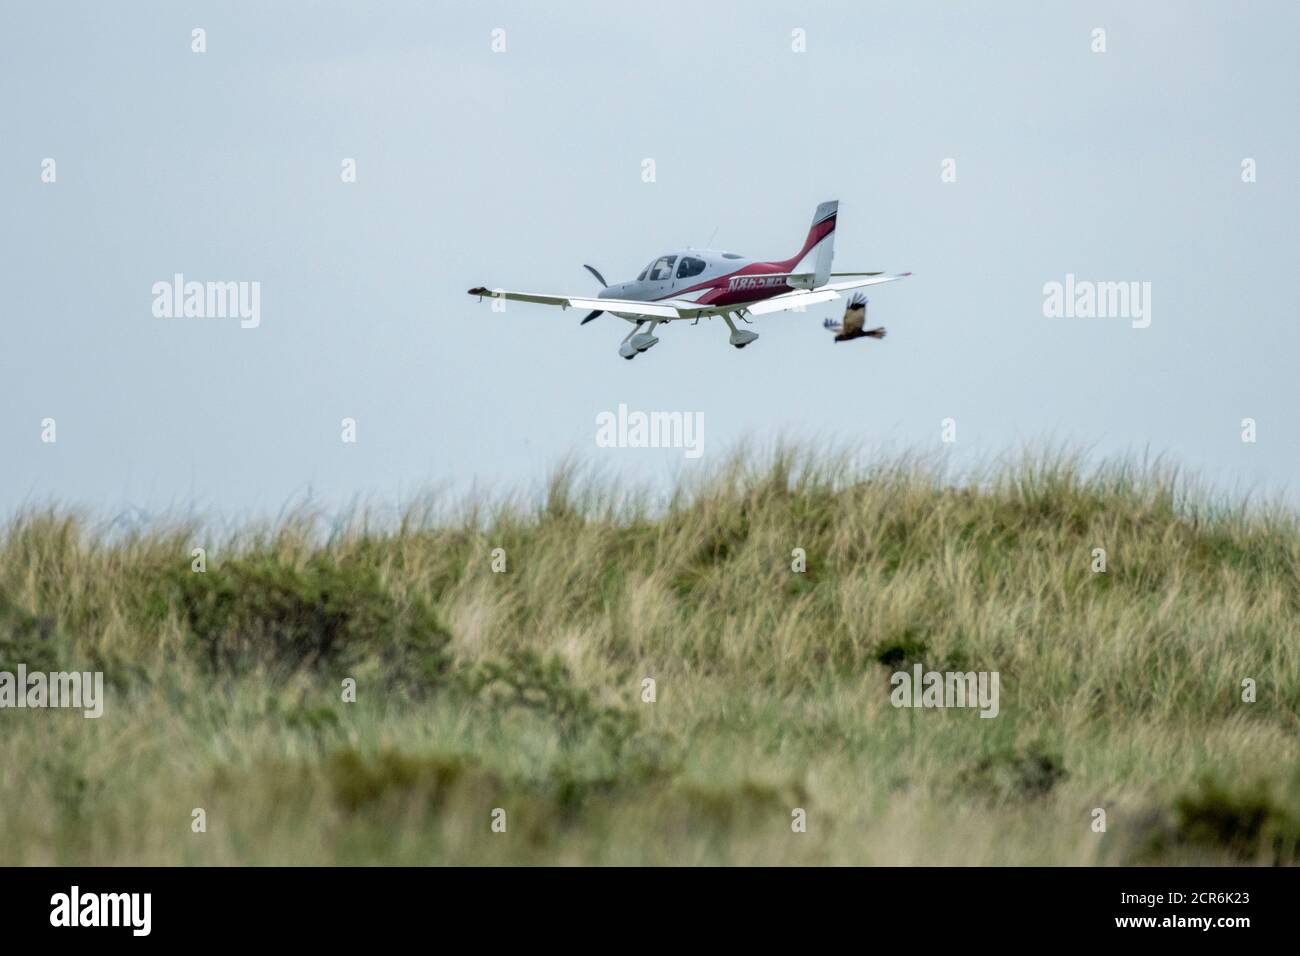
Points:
[662,268]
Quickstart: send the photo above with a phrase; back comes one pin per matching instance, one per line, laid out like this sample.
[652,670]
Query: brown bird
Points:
[855,316]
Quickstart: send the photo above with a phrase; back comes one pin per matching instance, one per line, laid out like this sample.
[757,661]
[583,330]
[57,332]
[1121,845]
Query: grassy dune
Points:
[523,690]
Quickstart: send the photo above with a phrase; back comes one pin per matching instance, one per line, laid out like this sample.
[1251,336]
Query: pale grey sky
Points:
[513,169]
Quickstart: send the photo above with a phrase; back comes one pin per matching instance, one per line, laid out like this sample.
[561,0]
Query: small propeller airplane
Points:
[702,283]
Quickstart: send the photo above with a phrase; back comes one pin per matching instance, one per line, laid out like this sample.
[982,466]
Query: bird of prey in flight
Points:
[855,316]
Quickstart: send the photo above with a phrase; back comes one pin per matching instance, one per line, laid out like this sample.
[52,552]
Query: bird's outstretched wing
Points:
[855,314]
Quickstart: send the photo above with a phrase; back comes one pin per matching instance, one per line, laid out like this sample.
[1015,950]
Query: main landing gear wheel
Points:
[739,337]
[638,342]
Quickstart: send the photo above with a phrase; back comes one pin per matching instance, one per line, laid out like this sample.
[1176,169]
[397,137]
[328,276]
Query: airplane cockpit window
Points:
[641,277]
[662,269]
[690,267]
[731,255]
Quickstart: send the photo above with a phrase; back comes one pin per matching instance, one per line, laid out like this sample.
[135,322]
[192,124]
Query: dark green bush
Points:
[26,639]
[1015,773]
[524,679]
[360,780]
[1247,820]
[326,614]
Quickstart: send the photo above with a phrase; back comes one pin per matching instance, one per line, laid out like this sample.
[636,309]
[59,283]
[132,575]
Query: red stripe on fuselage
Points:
[721,290]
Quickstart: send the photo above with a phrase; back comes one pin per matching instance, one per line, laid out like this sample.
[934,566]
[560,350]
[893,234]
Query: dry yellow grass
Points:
[523,690]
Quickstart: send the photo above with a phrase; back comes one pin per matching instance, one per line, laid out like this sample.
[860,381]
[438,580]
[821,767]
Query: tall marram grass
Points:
[523,690]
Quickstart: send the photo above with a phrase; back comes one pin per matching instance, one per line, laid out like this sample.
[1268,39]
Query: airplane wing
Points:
[654,310]
[790,300]
[825,293]
[807,277]
[859,283]
[683,309]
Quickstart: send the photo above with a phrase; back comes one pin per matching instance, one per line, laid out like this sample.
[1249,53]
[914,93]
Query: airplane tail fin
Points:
[819,248]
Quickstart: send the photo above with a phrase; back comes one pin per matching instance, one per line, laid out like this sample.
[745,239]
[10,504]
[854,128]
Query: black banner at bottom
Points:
[339,905]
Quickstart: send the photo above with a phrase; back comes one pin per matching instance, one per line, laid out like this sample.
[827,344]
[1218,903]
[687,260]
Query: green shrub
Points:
[258,610]
[1015,773]
[1247,820]
[526,680]
[359,780]
[26,639]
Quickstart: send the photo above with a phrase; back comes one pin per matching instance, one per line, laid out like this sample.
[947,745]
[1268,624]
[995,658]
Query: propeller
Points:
[601,279]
